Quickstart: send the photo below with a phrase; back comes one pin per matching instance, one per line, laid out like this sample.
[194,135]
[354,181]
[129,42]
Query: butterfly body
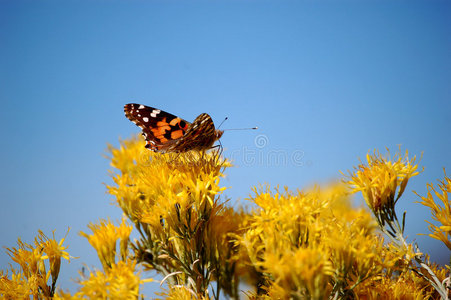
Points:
[165,132]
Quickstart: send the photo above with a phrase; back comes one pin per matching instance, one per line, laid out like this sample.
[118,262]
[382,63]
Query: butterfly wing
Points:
[160,129]
[200,135]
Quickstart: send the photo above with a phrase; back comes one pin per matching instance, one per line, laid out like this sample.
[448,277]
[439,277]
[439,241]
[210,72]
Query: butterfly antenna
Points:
[250,128]
[225,119]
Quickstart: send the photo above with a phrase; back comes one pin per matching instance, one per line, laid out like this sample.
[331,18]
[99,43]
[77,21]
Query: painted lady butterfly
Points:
[165,132]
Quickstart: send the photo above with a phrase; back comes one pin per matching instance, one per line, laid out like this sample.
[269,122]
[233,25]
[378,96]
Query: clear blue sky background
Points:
[325,81]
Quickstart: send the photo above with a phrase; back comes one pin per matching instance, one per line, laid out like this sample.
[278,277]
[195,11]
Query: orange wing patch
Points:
[175,121]
[177,134]
[161,128]
[164,128]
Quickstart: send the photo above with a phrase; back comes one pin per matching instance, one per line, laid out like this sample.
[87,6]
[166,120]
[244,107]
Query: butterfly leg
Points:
[219,149]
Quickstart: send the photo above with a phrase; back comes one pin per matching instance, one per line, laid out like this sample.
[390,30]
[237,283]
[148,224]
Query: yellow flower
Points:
[54,252]
[33,276]
[104,238]
[355,253]
[383,180]
[441,214]
[303,271]
[117,282]
[17,287]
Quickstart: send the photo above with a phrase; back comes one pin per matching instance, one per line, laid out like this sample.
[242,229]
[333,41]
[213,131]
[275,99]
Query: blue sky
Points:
[325,81]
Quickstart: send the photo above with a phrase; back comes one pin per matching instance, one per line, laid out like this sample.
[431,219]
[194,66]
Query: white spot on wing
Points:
[154,113]
[141,106]
[146,119]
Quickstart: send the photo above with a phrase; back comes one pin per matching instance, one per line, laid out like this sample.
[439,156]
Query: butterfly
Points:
[165,132]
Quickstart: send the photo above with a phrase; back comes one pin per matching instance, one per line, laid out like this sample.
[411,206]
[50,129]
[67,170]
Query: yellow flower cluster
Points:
[152,186]
[104,238]
[120,281]
[173,200]
[441,214]
[33,277]
[406,286]
[384,179]
[382,182]
[312,243]
[308,244]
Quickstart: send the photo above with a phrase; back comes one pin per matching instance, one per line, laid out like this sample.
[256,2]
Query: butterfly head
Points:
[218,133]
